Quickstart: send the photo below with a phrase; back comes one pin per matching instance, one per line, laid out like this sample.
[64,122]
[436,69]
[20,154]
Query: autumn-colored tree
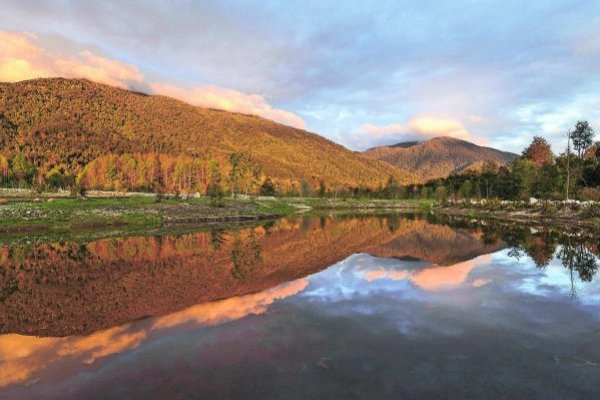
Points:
[593,153]
[4,169]
[539,151]
[237,172]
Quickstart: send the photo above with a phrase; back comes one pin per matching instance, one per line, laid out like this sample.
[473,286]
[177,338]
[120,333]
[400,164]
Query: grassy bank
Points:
[567,214]
[35,216]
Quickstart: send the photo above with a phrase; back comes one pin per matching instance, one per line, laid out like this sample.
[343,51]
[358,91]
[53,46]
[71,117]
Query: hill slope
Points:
[438,157]
[70,122]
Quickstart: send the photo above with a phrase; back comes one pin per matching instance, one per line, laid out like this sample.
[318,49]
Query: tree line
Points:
[538,172]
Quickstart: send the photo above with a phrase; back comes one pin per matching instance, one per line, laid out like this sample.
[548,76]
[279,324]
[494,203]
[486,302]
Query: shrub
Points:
[591,211]
[591,193]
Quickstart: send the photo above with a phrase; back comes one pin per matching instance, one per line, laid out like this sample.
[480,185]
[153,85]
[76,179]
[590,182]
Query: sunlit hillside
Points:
[67,123]
[438,157]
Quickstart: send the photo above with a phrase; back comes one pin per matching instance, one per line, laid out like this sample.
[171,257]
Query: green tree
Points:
[489,175]
[525,173]
[237,173]
[391,188]
[582,137]
[55,179]
[305,188]
[213,189]
[267,188]
[441,193]
[465,190]
[322,189]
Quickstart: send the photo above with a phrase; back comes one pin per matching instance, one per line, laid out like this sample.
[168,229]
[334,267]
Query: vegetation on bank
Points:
[545,212]
[538,173]
[143,213]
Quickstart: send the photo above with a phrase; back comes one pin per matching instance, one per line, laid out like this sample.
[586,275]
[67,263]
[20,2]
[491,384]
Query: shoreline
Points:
[139,214]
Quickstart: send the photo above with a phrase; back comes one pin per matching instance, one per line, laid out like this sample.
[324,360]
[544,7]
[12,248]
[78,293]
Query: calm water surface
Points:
[331,307]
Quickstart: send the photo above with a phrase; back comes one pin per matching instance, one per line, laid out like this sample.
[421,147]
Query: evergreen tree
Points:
[267,188]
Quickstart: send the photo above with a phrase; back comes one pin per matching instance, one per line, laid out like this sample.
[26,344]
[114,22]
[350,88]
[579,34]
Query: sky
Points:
[359,73]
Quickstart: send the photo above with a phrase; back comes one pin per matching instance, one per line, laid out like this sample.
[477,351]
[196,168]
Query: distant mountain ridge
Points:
[438,157]
[67,123]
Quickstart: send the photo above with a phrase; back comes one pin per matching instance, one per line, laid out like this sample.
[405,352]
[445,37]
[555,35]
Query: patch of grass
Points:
[274,207]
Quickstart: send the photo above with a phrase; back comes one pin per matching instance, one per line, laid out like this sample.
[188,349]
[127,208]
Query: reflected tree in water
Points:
[217,238]
[245,254]
[575,252]
[576,257]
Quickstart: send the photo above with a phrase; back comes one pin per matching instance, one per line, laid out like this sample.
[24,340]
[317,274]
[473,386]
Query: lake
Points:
[351,307]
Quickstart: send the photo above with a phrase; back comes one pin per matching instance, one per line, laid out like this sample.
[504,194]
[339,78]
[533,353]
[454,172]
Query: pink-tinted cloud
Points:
[230,309]
[229,100]
[23,57]
[419,127]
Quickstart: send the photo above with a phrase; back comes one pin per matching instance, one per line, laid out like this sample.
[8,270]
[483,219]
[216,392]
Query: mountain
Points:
[70,122]
[438,157]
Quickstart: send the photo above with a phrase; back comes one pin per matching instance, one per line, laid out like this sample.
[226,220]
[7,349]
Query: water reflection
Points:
[24,356]
[577,252]
[328,307]
[57,289]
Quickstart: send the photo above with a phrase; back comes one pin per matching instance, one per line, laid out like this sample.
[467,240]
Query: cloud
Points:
[339,67]
[229,100]
[419,127]
[23,57]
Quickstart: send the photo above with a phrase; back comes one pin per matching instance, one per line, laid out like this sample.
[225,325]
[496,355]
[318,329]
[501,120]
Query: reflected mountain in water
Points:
[70,288]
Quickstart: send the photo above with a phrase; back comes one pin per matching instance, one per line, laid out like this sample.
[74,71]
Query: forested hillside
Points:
[50,129]
[439,157]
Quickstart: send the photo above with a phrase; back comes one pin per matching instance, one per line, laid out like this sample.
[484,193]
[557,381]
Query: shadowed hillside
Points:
[438,157]
[67,123]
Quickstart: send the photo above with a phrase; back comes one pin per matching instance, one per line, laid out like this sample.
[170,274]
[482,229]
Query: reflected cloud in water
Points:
[23,356]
